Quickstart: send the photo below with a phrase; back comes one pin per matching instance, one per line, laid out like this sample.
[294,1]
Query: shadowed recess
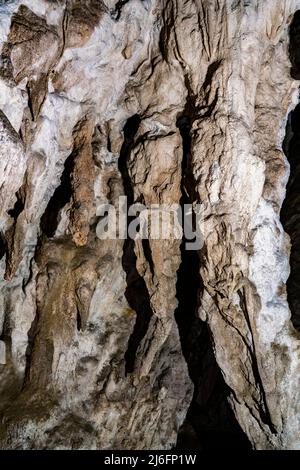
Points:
[61,196]
[136,293]
[290,212]
[18,207]
[210,422]
[294,46]
[2,246]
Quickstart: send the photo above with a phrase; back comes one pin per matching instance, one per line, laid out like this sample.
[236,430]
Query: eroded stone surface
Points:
[103,98]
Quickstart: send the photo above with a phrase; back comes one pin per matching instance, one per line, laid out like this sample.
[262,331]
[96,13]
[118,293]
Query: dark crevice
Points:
[19,205]
[211,70]
[136,292]
[290,212]
[166,30]
[11,247]
[210,422]
[62,195]
[294,46]
[6,334]
[2,246]
[78,321]
[116,13]
[130,129]
[108,144]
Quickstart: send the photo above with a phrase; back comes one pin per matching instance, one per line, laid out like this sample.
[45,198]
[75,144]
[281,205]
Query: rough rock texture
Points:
[165,101]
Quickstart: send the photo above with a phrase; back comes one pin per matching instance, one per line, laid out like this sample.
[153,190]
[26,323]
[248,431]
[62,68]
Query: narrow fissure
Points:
[2,246]
[9,247]
[290,212]
[136,292]
[19,205]
[210,422]
[78,321]
[116,13]
[61,196]
[294,46]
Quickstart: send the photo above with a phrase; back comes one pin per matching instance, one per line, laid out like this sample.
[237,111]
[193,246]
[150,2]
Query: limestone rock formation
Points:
[139,344]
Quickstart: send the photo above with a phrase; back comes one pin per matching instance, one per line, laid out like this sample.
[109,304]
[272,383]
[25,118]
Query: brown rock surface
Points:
[166,102]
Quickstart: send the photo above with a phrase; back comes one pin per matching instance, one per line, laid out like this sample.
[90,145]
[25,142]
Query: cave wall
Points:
[163,101]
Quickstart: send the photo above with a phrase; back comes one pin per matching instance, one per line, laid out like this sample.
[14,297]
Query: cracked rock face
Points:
[139,344]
